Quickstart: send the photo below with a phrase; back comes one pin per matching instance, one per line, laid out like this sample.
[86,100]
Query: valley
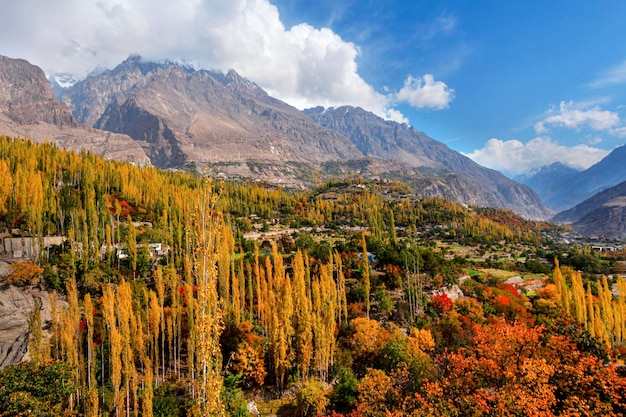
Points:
[177,242]
[170,294]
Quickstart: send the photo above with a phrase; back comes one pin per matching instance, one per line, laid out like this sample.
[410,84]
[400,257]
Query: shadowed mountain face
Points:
[603,214]
[28,109]
[608,220]
[26,97]
[449,173]
[574,189]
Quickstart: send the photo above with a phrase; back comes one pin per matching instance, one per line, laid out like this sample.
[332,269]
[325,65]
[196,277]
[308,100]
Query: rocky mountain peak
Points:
[26,97]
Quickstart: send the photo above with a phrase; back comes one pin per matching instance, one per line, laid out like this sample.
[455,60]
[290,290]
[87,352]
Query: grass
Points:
[499,274]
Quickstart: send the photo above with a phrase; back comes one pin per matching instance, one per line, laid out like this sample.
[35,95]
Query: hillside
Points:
[28,109]
[604,214]
[439,170]
[608,220]
[191,297]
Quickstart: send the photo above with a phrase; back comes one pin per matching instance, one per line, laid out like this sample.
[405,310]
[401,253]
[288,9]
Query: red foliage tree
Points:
[441,303]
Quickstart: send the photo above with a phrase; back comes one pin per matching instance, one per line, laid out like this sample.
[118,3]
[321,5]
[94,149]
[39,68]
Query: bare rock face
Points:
[28,109]
[27,98]
[608,220]
[16,305]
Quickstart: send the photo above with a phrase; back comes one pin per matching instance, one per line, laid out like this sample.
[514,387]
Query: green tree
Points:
[36,389]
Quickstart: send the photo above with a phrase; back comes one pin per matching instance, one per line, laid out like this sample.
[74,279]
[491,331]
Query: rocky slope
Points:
[609,220]
[188,117]
[607,173]
[603,214]
[440,170]
[16,305]
[28,109]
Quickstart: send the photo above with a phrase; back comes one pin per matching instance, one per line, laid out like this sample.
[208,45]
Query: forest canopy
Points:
[174,294]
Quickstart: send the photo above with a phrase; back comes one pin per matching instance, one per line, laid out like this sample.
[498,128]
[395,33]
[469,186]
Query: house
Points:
[27,247]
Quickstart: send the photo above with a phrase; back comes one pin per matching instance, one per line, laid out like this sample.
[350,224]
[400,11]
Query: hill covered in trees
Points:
[174,295]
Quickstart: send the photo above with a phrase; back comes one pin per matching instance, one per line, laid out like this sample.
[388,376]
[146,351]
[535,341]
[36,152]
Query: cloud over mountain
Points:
[514,157]
[302,65]
[572,115]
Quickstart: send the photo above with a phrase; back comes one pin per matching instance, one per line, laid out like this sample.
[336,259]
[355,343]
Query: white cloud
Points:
[576,116]
[302,65]
[396,116]
[425,92]
[611,76]
[620,132]
[513,157]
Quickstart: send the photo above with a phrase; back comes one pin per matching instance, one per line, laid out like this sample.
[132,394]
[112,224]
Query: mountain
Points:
[60,82]
[440,170]
[591,204]
[175,116]
[606,173]
[28,108]
[546,180]
[603,214]
[188,117]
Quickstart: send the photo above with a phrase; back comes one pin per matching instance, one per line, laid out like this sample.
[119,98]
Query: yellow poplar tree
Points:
[91,396]
[366,275]
[302,317]
[342,302]
[208,319]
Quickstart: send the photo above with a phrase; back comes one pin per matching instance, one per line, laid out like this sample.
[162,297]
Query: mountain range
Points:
[548,181]
[561,187]
[177,117]
[603,214]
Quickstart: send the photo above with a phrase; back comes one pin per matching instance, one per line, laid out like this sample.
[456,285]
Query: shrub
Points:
[311,399]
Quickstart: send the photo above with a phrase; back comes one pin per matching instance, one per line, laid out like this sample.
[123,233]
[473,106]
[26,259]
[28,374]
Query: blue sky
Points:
[511,65]
[514,85]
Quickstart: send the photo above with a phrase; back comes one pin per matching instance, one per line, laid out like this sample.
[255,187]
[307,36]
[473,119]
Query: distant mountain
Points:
[441,171]
[60,82]
[603,214]
[546,180]
[573,190]
[591,204]
[28,108]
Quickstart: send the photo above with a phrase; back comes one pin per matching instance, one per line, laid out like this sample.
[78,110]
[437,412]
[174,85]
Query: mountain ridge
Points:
[604,174]
[474,184]
[221,123]
[604,214]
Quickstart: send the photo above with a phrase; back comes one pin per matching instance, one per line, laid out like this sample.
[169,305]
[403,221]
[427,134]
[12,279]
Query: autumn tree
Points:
[302,317]
[208,315]
[366,274]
